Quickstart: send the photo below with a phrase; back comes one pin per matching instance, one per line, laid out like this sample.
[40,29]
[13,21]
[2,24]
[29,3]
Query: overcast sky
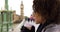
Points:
[15,5]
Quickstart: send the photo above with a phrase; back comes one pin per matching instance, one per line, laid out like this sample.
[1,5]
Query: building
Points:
[15,17]
[19,18]
[6,18]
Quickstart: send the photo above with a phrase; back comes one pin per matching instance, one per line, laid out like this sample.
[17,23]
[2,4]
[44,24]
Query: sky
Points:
[15,5]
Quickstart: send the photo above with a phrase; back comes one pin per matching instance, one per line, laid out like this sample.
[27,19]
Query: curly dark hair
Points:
[49,9]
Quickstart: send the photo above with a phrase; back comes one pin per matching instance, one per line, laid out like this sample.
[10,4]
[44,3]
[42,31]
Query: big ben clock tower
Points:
[22,8]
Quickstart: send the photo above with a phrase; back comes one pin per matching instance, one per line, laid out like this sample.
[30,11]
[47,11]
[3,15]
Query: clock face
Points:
[22,6]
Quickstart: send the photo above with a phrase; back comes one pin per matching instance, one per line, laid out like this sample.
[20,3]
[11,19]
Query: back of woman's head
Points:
[49,9]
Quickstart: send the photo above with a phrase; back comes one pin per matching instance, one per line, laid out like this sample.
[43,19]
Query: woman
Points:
[47,13]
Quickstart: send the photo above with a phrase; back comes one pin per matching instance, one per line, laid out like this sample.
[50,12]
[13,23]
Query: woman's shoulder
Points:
[52,28]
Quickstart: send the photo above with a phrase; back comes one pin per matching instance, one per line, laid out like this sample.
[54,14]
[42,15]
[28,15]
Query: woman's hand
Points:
[28,25]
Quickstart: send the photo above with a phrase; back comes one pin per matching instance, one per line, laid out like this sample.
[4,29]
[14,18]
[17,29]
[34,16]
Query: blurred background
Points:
[15,5]
[13,14]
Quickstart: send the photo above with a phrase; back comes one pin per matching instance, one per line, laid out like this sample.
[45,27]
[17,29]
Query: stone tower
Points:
[22,8]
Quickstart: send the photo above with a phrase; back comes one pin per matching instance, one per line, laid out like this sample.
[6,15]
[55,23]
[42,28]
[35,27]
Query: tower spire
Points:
[22,3]
[6,4]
